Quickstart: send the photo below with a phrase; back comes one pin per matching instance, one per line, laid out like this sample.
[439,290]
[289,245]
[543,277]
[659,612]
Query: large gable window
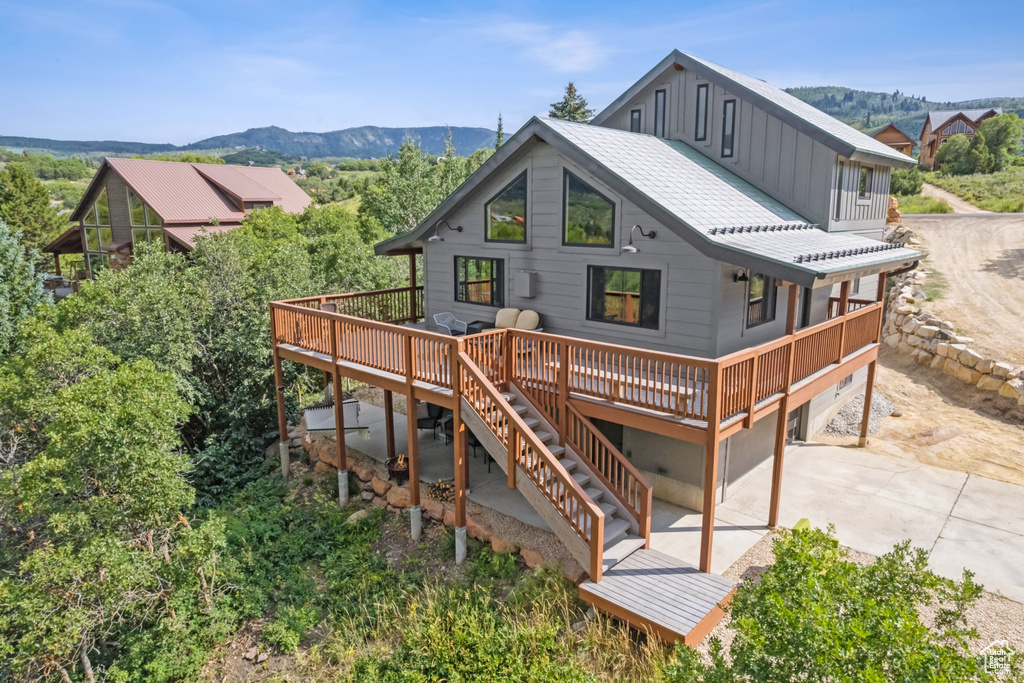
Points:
[728,127]
[760,299]
[480,281]
[626,296]
[506,213]
[145,221]
[588,216]
[701,132]
[97,233]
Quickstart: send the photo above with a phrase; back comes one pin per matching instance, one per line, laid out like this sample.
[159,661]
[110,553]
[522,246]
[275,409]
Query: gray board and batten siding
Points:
[777,153]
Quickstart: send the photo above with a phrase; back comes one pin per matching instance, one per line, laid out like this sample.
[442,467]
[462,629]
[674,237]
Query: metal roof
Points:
[186,235]
[809,120]
[716,211]
[938,118]
[182,192]
[69,242]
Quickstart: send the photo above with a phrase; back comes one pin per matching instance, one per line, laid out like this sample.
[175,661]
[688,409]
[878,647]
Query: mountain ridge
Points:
[361,142]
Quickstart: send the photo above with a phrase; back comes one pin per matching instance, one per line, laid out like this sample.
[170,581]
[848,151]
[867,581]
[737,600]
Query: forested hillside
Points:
[870,111]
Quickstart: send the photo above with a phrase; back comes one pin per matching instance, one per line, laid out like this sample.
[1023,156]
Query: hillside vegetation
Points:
[1002,192]
[870,111]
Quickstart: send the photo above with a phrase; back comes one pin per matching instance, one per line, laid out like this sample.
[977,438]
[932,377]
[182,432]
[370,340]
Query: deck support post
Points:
[707,522]
[282,418]
[865,419]
[460,544]
[341,451]
[342,488]
[389,422]
[461,439]
[56,264]
[413,313]
[777,460]
[412,436]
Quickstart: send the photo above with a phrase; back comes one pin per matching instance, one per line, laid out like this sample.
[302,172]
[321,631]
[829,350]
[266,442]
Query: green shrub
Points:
[290,626]
[922,204]
[490,566]
[1002,191]
[906,182]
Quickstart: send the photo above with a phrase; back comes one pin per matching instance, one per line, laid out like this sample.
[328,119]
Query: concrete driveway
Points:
[876,501]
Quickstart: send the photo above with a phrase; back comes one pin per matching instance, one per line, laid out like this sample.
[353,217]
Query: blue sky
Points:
[156,71]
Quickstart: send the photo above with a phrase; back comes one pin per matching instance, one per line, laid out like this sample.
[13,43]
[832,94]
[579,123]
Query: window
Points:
[866,176]
[839,191]
[970,131]
[505,214]
[760,299]
[99,213]
[701,132]
[844,382]
[588,216]
[659,113]
[728,126]
[625,296]
[145,222]
[256,206]
[945,131]
[634,122]
[480,281]
[97,233]
[943,141]
[855,287]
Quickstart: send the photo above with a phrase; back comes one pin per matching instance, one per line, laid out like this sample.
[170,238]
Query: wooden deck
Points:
[654,592]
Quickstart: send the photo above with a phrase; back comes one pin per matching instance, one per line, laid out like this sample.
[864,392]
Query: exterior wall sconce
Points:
[741,275]
[629,248]
[437,238]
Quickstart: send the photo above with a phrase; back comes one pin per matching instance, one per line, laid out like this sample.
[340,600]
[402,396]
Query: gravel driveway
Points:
[982,259]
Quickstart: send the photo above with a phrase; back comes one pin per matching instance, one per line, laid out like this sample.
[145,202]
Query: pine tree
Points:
[501,134]
[25,207]
[572,107]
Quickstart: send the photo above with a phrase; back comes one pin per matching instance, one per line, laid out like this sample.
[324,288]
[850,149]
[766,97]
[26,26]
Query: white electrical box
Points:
[526,284]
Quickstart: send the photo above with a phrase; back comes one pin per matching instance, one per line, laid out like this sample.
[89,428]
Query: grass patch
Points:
[920,204]
[1002,192]
[935,286]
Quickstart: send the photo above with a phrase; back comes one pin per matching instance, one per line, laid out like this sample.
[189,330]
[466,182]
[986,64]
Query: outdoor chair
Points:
[509,318]
[446,322]
[471,440]
[432,420]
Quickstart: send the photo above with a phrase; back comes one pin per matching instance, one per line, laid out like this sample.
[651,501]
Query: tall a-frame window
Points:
[146,224]
[96,224]
[660,97]
[701,132]
[505,213]
[588,216]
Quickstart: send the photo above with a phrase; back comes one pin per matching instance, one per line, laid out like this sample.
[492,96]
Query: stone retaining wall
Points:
[915,331]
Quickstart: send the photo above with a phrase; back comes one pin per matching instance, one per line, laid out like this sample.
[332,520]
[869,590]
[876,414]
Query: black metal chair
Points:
[433,419]
[474,443]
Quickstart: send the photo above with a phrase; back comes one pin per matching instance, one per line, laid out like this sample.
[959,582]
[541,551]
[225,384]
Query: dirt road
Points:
[982,260]
[956,203]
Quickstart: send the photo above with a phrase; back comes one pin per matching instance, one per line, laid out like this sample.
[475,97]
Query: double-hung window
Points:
[760,299]
[659,112]
[728,127]
[626,296]
[701,132]
[588,216]
[505,213]
[480,281]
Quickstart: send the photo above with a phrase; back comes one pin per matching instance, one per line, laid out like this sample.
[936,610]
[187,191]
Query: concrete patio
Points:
[874,501]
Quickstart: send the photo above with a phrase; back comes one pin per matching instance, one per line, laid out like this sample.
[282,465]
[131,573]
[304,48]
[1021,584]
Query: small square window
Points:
[844,382]
[866,177]
[625,296]
[480,281]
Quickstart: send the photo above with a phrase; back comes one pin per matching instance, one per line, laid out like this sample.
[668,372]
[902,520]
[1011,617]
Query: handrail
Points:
[543,468]
[611,467]
[852,305]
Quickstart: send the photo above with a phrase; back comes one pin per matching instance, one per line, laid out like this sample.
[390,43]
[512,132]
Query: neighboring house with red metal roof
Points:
[135,200]
[940,126]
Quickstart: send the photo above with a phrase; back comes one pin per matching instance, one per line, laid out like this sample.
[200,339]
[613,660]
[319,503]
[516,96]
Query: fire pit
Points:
[398,469]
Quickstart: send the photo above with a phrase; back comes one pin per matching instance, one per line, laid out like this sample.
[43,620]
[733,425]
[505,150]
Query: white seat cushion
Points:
[506,318]
[528,320]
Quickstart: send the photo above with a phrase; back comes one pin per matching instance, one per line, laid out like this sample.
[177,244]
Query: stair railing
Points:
[539,464]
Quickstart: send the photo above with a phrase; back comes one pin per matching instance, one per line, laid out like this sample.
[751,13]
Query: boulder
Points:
[942,349]
[910,327]
[364,472]
[985,365]
[379,502]
[969,358]
[322,467]
[914,340]
[572,570]
[990,383]
[905,309]
[1013,388]
[924,357]
[969,375]
[532,558]
[1001,370]
[904,348]
[927,331]
[367,496]
[307,442]
[475,528]
[955,350]
[951,366]
[893,340]
[399,497]
[449,518]
[357,515]
[433,508]
[380,487]
[500,545]
[937,362]
[1015,373]
[943,335]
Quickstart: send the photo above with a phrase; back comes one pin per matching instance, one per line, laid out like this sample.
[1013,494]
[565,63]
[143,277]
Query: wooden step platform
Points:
[654,592]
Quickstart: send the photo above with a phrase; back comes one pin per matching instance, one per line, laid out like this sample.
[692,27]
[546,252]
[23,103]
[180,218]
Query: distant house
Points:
[139,200]
[942,125]
[895,138]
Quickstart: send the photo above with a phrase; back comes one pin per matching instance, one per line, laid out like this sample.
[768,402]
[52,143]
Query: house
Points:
[140,200]
[939,126]
[895,138]
[706,260]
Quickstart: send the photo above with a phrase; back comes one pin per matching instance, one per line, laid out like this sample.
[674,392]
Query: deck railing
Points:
[834,304]
[399,305]
[546,367]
